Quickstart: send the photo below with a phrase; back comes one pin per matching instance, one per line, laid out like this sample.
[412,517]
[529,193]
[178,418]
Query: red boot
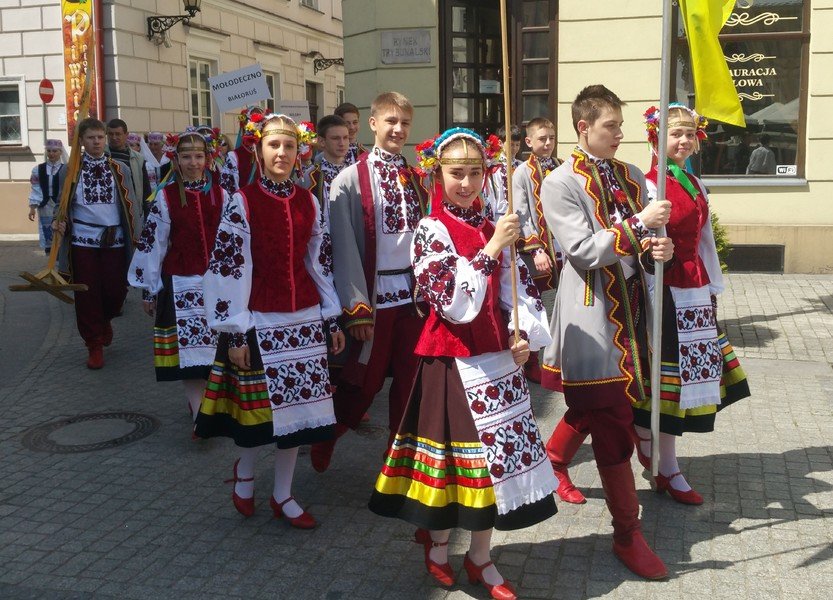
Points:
[95,360]
[628,543]
[532,369]
[561,448]
[322,453]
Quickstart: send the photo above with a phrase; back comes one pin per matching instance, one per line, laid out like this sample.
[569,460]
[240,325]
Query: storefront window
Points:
[766,46]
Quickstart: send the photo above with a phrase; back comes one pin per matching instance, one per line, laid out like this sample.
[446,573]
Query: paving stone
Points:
[153,520]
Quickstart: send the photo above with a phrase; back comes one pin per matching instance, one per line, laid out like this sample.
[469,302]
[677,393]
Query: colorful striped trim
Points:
[589,284]
[243,395]
[435,474]
[165,347]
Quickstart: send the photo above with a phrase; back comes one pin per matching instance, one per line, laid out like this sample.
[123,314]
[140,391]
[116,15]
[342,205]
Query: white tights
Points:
[668,464]
[284,472]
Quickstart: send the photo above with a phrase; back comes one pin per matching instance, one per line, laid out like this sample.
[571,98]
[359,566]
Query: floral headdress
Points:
[652,123]
[208,135]
[247,114]
[256,129]
[429,152]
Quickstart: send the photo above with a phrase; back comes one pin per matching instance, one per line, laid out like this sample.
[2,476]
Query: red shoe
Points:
[504,591]
[95,360]
[108,334]
[303,521]
[245,506]
[442,573]
[689,497]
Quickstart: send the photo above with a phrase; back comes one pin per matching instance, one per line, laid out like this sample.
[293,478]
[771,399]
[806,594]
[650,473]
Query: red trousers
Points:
[104,271]
[395,335]
[609,429]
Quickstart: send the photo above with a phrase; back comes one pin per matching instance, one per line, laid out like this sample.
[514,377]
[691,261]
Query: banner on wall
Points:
[79,35]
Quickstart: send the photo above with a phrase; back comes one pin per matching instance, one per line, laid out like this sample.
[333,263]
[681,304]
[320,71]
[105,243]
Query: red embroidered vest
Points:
[281,229]
[193,229]
[684,228]
[488,331]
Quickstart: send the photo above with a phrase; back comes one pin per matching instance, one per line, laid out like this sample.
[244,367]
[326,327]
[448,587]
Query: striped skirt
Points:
[436,475]
[673,419]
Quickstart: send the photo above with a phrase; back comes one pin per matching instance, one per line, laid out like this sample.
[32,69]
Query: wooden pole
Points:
[507,149]
[659,268]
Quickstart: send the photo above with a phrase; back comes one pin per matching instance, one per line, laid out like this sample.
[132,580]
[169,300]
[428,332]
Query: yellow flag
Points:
[714,91]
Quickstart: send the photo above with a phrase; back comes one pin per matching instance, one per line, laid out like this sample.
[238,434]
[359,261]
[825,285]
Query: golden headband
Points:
[190,148]
[461,161]
[279,131]
[691,124]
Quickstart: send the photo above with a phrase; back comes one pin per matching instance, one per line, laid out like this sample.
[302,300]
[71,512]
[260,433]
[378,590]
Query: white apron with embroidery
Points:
[197,342]
[701,362]
[498,398]
[293,347]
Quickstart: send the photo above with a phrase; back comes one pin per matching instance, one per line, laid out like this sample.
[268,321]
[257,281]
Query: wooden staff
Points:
[49,280]
[507,149]
[662,162]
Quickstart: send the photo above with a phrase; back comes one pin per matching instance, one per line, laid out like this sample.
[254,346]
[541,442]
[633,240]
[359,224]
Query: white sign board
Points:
[298,110]
[406,46]
[239,88]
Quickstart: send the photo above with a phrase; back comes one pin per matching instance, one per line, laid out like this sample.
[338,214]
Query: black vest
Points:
[43,180]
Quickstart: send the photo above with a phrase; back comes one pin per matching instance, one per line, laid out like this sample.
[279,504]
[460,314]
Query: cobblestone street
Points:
[151,518]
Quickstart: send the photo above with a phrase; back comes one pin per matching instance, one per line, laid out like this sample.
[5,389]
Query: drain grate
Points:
[91,432]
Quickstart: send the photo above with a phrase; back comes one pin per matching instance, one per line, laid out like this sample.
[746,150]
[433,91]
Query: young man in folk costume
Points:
[495,194]
[133,166]
[596,208]
[266,292]
[536,246]
[47,179]
[350,114]
[468,453]
[98,240]
[170,260]
[242,166]
[375,206]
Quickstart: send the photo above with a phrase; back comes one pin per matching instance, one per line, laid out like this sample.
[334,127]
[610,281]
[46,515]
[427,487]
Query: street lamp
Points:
[159,25]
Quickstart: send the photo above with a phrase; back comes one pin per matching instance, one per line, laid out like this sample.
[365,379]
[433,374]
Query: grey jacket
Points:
[598,320]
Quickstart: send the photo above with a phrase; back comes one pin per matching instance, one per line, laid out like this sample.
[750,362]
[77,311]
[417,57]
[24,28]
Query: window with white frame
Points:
[202,112]
[273,82]
[13,130]
[310,4]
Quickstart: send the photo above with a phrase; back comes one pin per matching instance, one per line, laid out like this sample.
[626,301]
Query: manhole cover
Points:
[86,433]
[372,431]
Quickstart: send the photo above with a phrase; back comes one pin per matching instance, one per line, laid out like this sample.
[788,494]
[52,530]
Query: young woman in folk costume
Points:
[700,372]
[169,262]
[268,296]
[468,452]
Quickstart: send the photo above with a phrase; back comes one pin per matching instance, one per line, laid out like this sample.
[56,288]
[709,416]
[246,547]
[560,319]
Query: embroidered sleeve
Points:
[36,193]
[332,325]
[237,340]
[532,318]
[145,269]
[227,283]
[454,286]
[318,261]
[229,175]
[147,296]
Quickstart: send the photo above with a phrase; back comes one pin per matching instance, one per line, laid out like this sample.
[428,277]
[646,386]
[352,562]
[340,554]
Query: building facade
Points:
[446,57]
[158,84]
